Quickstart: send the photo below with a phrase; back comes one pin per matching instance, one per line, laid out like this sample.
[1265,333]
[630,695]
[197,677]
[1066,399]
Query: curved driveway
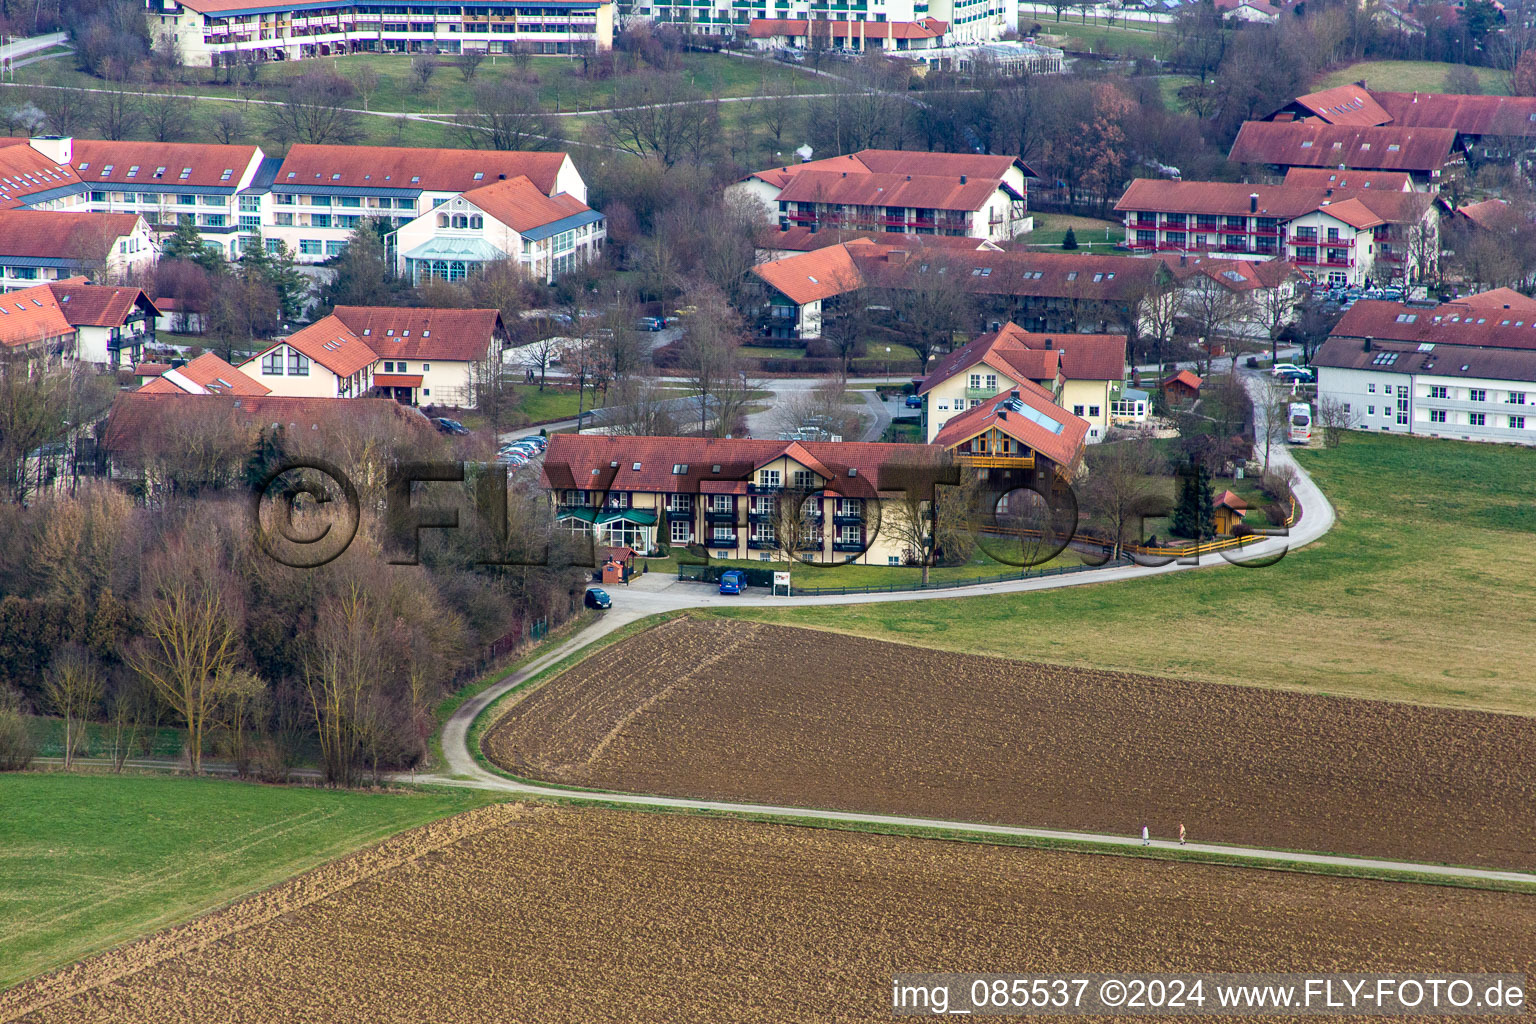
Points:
[1317,519]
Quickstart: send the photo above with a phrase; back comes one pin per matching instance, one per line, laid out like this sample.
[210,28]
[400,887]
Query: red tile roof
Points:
[1490,214]
[900,161]
[519,204]
[1283,202]
[462,335]
[1037,357]
[1477,321]
[1078,276]
[1185,378]
[1045,427]
[136,416]
[150,369]
[918,191]
[1235,275]
[97,305]
[24,172]
[1470,115]
[409,167]
[1443,360]
[1345,104]
[328,342]
[606,463]
[204,165]
[62,234]
[207,374]
[397,380]
[1314,144]
[819,274]
[31,315]
[926,28]
[1329,177]
[802,239]
[1226,499]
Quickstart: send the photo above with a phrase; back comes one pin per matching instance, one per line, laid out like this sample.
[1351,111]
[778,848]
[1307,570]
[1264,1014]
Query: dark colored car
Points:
[914,402]
[598,598]
[650,323]
[448,426]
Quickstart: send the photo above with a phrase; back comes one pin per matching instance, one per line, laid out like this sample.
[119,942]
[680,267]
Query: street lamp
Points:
[887,364]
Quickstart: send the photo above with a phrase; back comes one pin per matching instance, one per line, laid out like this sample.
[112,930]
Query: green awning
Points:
[639,517]
[586,515]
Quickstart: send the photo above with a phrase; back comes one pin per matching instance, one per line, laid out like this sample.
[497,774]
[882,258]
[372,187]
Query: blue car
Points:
[732,580]
[914,402]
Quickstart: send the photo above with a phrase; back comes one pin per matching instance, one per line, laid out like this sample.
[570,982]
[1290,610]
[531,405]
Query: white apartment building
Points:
[40,246]
[1439,390]
[965,21]
[207,31]
[511,219]
[319,194]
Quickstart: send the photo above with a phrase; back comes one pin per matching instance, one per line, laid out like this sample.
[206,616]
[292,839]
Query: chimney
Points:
[845,174]
[1253,202]
[1183,259]
[1049,344]
[58,148]
[1328,194]
[501,177]
[1002,413]
[962,179]
[1367,344]
[1014,394]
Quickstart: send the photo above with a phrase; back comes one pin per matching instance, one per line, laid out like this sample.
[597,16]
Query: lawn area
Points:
[1410,76]
[1407,598]
[1051,228]
[904,431]
[553,403]
[91,861]
[1104,39]
[560,85]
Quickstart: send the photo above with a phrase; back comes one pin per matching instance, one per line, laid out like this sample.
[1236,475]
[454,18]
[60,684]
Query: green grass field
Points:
[90,861]
[1410,76]
[1051,228]
[1410,597]
[553,403]
[104,856]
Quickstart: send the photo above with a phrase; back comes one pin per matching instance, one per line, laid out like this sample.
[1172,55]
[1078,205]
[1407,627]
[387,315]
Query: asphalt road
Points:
[631,605]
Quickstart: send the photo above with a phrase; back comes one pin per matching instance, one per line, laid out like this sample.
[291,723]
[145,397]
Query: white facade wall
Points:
[346,28]
[319,382]
[1373,407]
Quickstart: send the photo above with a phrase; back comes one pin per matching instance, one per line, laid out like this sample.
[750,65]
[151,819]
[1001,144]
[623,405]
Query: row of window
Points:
[404,366]
[272,364]
[1476,419]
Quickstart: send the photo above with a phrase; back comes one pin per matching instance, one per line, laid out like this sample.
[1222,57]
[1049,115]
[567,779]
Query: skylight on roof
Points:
[415,179]
[479,175]
[227,172]
[186,172]
[133,172]
[1407,318]
[106,170]
[159,171]
[336,177]
[85,166]
[1306,144]
[1030,413]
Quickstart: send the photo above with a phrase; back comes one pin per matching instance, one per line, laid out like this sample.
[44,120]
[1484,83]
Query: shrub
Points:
[17,744]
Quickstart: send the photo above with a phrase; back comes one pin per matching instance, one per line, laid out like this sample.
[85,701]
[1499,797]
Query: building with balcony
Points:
[1018,431]
[1463,369]
[112,324]
[727,498]
[171,183]
[509,219]
[208,31]
[887,190]
[1080,373]
[320,194]
[849,25]
[34,327]
[1339,236]
[804,290]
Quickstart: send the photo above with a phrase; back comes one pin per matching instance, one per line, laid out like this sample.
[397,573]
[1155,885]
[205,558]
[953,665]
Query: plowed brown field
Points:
[552,915]
[750,712]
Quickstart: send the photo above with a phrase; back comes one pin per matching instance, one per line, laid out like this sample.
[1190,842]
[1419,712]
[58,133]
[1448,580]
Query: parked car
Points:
[1281,369]
[732,580]
[1301,375]
[448,426]
[650,323]
[598,598]
[913,402]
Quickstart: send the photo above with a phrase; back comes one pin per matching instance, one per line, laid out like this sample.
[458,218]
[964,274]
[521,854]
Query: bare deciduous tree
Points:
[506,115]
[1122,489]
[318,110]
[73,686]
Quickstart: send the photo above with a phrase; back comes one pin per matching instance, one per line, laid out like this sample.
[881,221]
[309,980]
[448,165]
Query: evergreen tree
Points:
[363,276]
[1195,516]
[268,452]
[186,243]
[1070,241]
[276,267]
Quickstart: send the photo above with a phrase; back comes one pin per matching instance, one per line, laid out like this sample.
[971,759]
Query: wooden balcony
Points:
[997,461]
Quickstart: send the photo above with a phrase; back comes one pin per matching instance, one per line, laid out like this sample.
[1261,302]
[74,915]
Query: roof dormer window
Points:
[227,172]
[186,172]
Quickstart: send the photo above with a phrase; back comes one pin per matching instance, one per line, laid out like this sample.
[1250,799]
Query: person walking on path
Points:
[1145,841]
[1181,833]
